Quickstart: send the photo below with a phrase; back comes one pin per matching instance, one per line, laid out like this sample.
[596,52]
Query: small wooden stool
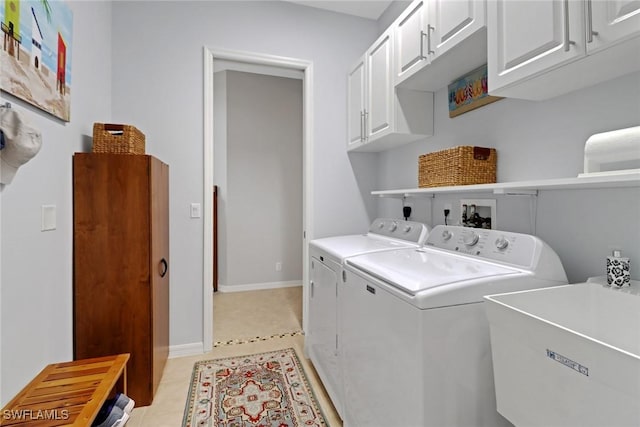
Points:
[67,394]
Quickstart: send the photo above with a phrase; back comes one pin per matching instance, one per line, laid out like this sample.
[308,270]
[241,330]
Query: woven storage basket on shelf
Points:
[117,139]
[463,165]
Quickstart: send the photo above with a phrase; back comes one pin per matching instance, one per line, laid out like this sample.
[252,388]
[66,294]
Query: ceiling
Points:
[370,9]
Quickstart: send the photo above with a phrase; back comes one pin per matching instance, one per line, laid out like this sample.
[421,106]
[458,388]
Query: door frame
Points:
[210,55]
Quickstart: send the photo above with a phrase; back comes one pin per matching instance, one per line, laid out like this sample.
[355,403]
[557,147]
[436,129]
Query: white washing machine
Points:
[326,262]
[414,333]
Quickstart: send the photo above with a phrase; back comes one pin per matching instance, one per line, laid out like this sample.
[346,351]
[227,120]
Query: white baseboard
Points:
[259,286]
[186,350]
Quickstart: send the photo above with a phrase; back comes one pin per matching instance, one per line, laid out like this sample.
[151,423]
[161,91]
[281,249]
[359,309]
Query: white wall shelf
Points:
[524,187]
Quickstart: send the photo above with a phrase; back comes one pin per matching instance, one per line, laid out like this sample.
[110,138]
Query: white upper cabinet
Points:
[410,40]
[538,49]
[438,41]
[355,101]
[611,21]
[527,37]
[380,116]
[454,21]
[378,119]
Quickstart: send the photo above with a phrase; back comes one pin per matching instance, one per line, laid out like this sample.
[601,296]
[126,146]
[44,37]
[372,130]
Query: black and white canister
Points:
[618,270]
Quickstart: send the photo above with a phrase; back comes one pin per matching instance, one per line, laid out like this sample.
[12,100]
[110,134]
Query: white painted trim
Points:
[207,259]
[290,73]
[182,350]
[307,175]
[258,286]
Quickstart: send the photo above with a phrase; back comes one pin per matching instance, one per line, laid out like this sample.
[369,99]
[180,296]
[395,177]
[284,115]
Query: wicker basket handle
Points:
[112,126]
[481,153]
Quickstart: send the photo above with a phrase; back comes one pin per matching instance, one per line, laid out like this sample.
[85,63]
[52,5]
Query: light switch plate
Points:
[48,217]
[195,210]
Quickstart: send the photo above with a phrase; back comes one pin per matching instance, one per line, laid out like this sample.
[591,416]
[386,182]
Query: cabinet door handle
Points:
[311,283]
[366,118]
[163,267]
[422,36]
[590,32]
[429,29]
[567,42]
[361,125]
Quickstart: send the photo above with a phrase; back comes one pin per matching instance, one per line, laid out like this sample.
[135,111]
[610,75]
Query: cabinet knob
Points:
[163,267]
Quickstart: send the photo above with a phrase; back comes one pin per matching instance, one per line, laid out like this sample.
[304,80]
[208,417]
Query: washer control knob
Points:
[502,243]
[471,238]
[407,228]
[446,235]
[393,226]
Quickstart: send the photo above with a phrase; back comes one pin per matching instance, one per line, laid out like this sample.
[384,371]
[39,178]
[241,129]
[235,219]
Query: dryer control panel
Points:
[411,231]
[511,248]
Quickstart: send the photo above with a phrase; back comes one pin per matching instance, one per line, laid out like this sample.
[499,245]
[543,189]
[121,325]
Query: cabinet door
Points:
[111,235]
[410,39]
[379,111]
[355,104]
[611,21]
[452,21]
[160,266]
[526,38]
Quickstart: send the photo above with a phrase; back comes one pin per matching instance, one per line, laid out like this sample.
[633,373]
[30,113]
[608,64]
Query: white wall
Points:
[262,200]
[158,86]
[36,267]
[538,140]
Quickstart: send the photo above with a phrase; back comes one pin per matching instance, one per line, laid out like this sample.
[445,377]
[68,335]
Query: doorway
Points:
[256,61]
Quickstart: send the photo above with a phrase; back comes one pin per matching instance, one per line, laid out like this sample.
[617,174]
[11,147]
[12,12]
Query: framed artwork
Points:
[35,59]
[470,92]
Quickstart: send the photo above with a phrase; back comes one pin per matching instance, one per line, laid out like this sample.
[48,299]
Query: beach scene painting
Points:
[35,59]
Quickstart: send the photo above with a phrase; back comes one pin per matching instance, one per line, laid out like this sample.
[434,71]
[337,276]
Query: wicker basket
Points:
[463,165]
[117,139]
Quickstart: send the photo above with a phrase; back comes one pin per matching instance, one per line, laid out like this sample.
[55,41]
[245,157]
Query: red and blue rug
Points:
[261,390]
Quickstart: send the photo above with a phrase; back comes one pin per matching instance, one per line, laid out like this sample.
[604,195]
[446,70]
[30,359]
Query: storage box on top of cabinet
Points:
[462,165]
[117,139]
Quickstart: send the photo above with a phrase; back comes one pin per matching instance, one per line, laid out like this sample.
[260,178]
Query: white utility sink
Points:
[567,355]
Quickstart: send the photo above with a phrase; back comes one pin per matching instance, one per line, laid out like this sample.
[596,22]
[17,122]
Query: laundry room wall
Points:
[261,196]
[158,86]
[35,266]
[537,140]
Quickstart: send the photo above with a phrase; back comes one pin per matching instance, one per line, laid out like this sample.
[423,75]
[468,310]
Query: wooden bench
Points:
[67,394]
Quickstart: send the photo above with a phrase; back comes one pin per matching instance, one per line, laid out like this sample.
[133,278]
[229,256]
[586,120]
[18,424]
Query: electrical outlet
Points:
[278,266]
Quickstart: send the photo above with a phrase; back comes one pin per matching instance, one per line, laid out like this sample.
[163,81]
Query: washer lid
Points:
[341,247]
[416,270]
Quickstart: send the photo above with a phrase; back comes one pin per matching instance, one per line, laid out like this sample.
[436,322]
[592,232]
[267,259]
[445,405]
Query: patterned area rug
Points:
[266,390]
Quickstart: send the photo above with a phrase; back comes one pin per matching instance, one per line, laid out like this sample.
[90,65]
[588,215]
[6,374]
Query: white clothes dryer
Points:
[414,334]
[326,260]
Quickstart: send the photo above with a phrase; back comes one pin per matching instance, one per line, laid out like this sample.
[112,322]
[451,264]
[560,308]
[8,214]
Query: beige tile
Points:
[242,315]
[237,316]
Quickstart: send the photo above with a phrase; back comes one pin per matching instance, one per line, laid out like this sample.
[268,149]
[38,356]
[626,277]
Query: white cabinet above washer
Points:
[541,49]
[437,41]
[380,116]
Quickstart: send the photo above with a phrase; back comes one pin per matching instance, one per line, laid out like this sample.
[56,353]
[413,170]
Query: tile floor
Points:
[237,317]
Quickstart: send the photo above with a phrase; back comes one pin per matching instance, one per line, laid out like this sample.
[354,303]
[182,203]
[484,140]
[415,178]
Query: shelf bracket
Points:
[507,192]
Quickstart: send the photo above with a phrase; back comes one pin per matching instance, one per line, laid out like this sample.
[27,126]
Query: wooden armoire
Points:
[121,264]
